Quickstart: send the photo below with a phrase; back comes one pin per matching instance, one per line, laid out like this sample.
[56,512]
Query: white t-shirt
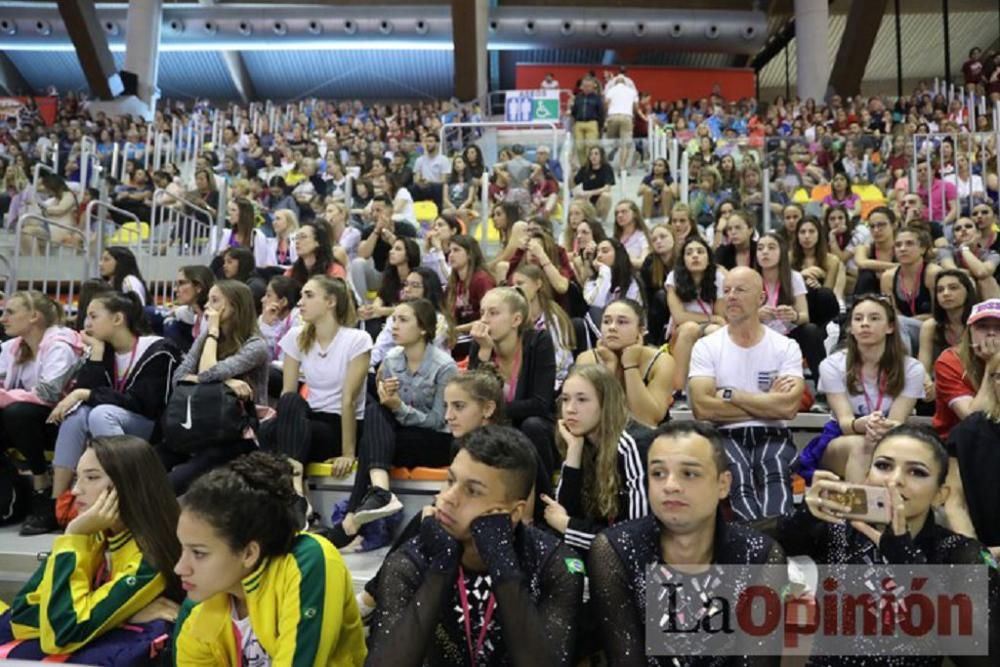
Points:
[798,289]
[695,306]
[833,380]
[635,244]
[751,369]
[621,99]
[324,370]
[433,169]
[252,652]
[133,284]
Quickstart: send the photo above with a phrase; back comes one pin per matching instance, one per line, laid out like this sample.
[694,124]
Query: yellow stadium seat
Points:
[492,235]
[801,196]
[130,232]
[425,211]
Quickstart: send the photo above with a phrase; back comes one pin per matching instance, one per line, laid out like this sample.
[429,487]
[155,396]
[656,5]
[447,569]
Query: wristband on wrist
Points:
[630,368]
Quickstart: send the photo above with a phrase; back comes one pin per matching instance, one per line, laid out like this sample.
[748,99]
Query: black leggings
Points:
[811,340]
[183,469]
[303,434]
[23,427]
[386,443]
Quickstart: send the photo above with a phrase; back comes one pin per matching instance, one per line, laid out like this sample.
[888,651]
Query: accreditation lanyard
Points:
[491,604]
[881,392]
[119,383]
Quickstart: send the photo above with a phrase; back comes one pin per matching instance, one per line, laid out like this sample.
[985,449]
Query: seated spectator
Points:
[969,254]
[959,373]
[910,283]
[603,477]
[230,350]
[282,247]
[404,257]
[281,196]
[331,357]
[525,359]
[630,230]
[954,296]
[474,535]
[373,251]
[467,285]
[184,323]
[238,265]
[315,255]
[241,232]
[694,298]
[609,277]
[436,244]
[507,219]
[120,269]
[588,235]
[841,195]
[580,210]
[879,257]
[136,197]
[871,387]
[913,464]
[37,364]
[114,565]
[430,171]
[247,568]
[845,235]
[688,478]
[406,427]
[279,313]
[544,191]
[593,181]
[654,191]
[422,283]
[547,315]
[653,276]
[342,234]
[941,202]
[681,224]
[540,249]
[748,378]
[741,250]
[791,215]
[785,308]
[648,390]
[460,191]
[821,269]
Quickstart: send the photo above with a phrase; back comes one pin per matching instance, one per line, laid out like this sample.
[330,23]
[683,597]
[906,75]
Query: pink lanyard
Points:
[767,294]
[515,370]
[120,383]
[704,307]
[491,604]
[881,392]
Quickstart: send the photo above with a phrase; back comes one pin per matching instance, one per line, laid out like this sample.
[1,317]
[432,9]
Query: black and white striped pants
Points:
[760,460]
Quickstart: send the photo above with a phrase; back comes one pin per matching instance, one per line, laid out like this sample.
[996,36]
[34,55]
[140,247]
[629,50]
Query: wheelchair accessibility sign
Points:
[530,105]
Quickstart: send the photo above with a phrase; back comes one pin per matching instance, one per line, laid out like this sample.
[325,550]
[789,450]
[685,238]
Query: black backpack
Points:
[200,415]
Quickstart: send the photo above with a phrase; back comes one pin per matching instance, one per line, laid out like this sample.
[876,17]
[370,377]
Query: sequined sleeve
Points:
[960,550]
[545,630]
[621,623]
[410,604]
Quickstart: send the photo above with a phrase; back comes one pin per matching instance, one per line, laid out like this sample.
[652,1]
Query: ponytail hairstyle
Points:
[286,288]
[684,285]
[392,284]
[336,289]
[241,324]
[245,223]
[49,310]
[244,261]
[476,264]
[125,266]
[202,279]
[88,290]
[129,306]
[892,365]
[785,296]
[248,500]
[601,483]
[556,319]
[483,384]
[514,299]
[146,501]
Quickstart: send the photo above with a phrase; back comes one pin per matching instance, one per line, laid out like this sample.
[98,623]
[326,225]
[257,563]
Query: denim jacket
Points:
[421,393]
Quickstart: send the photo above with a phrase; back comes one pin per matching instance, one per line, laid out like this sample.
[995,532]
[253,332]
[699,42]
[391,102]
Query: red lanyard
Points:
[881,391]
[767,294]
[120,383]
[515,370]
[911,296]
[704,307]
[491,604]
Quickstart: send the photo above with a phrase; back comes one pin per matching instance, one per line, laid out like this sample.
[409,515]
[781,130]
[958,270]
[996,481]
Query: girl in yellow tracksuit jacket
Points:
[114,562]
[259,592]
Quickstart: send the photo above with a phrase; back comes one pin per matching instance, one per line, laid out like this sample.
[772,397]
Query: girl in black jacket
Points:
[525,359]
[123,387]
[603,479]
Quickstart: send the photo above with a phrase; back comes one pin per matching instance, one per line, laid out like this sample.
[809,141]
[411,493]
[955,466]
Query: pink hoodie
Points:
[58,359]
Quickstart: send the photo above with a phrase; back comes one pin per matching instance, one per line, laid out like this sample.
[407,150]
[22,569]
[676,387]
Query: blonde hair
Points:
[514,299]
[601,483]
[556,319]
[343,309]
[291,219]
[36,302]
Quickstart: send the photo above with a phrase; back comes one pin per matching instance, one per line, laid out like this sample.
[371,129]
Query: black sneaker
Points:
[42,518]
[377,504]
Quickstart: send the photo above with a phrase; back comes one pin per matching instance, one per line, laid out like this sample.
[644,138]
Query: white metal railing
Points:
[553,127]
[96,227]
[34,238]
[975,147]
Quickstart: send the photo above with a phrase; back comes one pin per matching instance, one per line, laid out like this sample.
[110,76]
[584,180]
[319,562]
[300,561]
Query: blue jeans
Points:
[96,421]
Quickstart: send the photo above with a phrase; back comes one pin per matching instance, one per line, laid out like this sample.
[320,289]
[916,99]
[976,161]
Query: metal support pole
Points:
[947,42]
[899,53]
[788,84]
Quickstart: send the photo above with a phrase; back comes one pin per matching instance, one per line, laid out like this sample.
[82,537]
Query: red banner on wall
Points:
[47,108]
[663,83]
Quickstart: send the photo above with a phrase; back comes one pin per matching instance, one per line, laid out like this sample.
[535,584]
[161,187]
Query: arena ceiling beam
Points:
[91,44]
[863,21]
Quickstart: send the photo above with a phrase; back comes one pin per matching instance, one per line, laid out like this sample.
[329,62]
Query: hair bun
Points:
[266,472]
